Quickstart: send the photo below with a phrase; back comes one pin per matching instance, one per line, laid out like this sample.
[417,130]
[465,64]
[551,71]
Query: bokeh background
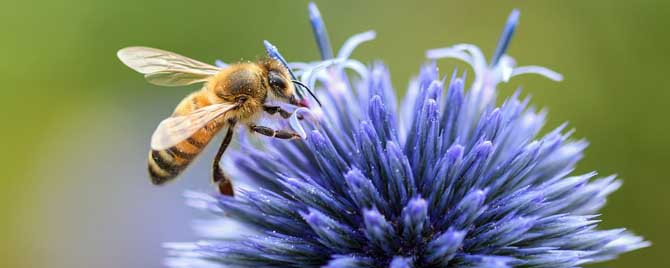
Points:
[76,122]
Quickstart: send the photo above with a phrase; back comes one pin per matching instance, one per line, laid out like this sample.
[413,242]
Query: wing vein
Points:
[176,129]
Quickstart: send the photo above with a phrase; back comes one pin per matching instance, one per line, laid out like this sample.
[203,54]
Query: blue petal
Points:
[401,262]
[397,171]
[443,248]
[467,210]
[332,234]
[379,232]
[414,219]
[329,160]
[347,261]
[363,192]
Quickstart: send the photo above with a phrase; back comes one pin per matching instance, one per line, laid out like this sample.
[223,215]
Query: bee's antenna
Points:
[308,90]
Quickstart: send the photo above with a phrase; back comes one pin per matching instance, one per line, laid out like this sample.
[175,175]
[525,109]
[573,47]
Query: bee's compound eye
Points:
[276,81]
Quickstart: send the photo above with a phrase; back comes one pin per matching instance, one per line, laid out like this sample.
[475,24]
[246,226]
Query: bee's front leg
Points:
[276,109]
[279,134]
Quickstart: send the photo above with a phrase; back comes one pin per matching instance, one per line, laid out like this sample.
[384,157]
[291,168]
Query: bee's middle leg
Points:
[276,109]
[279,134]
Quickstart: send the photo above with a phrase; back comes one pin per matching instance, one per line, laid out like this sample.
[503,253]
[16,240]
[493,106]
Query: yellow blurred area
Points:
[76,122]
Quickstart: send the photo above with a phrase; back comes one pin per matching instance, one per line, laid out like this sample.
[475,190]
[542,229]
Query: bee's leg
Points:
[218,176]
[279,134]
[277,109]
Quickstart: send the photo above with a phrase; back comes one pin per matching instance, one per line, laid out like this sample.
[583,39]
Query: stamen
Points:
[353,42]
[465,52]
[505,36]
[294,121]
[538,70]
[357,67]
[320,33]
[311,73]
[449,52]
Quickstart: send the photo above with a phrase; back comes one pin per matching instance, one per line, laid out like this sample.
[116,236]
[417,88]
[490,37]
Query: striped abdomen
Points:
[165,165]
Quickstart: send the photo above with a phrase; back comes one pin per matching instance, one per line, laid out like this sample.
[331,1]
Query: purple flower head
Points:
[445,179]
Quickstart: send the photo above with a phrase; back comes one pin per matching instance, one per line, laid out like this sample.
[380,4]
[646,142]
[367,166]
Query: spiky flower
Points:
[444,180]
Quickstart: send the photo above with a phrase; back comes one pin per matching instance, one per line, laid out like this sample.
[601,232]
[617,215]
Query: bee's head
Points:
[278,80]
[276,61]
[279,83]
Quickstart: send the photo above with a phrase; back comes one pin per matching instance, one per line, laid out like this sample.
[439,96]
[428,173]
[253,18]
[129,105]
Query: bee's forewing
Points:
[166,68]
[176,129]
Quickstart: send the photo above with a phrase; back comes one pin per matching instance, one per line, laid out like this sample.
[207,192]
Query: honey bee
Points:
[231,96]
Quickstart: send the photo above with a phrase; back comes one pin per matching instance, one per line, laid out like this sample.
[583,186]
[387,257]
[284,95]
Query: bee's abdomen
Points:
[165,165]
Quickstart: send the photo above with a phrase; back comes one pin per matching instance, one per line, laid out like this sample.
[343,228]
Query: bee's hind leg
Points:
[218,176]
[279,134]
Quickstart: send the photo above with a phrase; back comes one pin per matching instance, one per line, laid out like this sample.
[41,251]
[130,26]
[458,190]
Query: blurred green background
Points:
[76,122]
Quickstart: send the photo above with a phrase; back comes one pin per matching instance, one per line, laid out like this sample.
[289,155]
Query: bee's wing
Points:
[176,129]
[166,68]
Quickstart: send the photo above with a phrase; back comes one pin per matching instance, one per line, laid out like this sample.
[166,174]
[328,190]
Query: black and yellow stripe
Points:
[165,165]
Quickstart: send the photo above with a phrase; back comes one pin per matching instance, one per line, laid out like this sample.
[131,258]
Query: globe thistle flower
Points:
[445,179]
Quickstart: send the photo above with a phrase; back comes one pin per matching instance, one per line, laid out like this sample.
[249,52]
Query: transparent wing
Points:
[166,68]
[176,129]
